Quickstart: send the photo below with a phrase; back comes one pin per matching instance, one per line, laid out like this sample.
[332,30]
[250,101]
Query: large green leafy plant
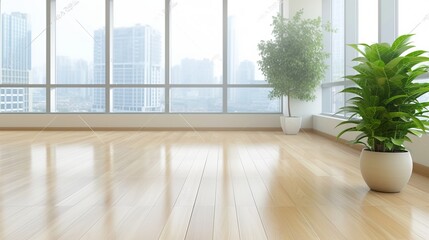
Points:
[293,62]
[386,107]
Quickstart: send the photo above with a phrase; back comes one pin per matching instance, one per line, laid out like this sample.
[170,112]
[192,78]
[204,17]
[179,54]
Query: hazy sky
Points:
[79,19]
[414,16]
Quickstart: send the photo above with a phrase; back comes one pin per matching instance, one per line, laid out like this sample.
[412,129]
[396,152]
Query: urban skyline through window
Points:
[138,58]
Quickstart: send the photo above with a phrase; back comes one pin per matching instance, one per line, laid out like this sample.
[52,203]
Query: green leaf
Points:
[350,109]
[381,139]
[401,41]
[398,142]
[415,132]
[394,62]
[416,53]
[360,59]
[356,47]
[353,90]
[394,98]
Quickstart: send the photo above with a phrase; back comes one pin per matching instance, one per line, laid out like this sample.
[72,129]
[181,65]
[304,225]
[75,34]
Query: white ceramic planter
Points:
[290,125]
[386,172]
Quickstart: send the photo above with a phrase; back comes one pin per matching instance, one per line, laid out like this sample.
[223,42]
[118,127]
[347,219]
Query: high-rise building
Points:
[16,62]
[98,96]
[192,71]
[246,72]
[136,60]
[72,71]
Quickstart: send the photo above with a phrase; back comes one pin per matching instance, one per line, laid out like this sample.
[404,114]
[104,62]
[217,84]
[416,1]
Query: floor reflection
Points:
[144,185]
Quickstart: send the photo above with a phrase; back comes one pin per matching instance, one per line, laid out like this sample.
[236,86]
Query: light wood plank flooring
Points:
[196,185]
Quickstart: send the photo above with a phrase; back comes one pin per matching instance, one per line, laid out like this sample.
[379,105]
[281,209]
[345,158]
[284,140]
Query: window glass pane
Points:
[72,71]
[368,21]
[414,18]
[196,41]
[252,100]
[248,23]
[22,100]
[424,97]
[338,42]
[337,98]
[138,42]
[78,100]
[23,41]
[78,42]
[138,100]
[196,100]
[38,99]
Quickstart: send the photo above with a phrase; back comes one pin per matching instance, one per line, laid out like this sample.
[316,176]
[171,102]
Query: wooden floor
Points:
[196,185]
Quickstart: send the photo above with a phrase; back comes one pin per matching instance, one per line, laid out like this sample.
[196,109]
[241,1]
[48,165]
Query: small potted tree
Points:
[293,62]
[387,108]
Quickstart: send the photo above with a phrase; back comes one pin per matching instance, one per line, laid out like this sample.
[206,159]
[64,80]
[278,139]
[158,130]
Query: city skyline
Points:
[137,58]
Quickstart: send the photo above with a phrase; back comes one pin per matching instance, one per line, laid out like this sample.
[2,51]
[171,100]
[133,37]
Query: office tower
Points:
[136,60]
[16,61]
[193,71]
[246,72]
[98,96]
[72,71]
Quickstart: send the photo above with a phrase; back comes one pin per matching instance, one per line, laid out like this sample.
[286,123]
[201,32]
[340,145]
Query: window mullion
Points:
[108,49]
[50,52]
[225,57]
[167,58]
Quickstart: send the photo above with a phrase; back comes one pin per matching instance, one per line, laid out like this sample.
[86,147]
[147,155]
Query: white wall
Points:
[418,148]
[327,125]
[305,109]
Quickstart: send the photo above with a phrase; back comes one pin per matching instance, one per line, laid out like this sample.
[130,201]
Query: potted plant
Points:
[293,62]
[386,109]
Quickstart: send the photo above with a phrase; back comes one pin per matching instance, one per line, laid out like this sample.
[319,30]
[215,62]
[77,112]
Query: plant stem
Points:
[288,105]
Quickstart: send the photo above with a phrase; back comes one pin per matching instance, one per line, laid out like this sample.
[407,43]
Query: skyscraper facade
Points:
[72,71]
[136,60]
[193,71]
[16,61]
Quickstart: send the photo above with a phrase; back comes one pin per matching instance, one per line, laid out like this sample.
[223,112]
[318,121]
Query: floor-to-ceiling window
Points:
[140,56]
[365,21]
[354,21]
[77,29]
[415,20]
[247,25]
[334,80]
[196,58]
[23,56]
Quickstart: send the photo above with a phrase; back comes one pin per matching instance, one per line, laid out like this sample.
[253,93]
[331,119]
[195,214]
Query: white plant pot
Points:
[290,125]
[386,172]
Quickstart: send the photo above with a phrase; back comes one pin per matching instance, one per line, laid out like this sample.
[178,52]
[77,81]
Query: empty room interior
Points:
[214,119]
